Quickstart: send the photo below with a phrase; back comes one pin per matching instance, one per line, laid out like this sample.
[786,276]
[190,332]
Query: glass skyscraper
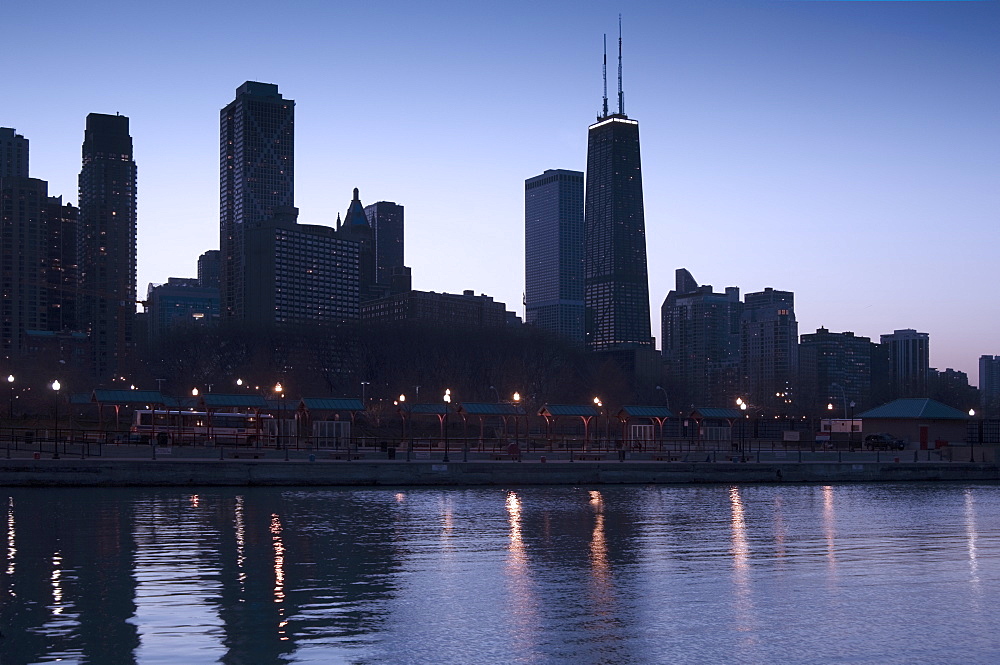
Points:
[257,151]
[553,253]
[617,286]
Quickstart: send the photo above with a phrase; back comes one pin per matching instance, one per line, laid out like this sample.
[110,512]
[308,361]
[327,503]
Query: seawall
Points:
[266,472]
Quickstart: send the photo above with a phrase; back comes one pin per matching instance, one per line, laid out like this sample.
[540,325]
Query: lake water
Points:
[880,573]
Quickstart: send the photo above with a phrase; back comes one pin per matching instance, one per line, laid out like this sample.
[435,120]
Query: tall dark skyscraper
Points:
[13,154]
[769,348]
[386,221]
[257,151]
[617,286]
[553,253]
[107,231]
[908,355]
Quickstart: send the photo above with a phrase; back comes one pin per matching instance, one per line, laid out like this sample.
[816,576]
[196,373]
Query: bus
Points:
[200,427]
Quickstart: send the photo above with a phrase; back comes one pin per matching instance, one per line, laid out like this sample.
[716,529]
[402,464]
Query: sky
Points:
[848,151]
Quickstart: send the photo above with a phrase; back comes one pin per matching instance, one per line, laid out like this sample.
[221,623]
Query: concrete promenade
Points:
[273,470]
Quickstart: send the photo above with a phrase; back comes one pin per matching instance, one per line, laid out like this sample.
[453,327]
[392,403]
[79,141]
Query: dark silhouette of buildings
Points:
[210,268]
[180,303]
[386,221]
[107,236]
[13,154]
[769,348]
[257,154]
[701,343]
[62,270]
[835,368]
[553,253]
[466,310]
[355,228]
[299,273]
[906,355]
[616,292]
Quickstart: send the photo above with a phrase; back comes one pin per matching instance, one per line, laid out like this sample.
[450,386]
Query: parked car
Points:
[883,441]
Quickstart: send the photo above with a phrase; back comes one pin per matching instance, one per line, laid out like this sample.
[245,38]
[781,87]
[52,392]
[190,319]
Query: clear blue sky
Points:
[847,151]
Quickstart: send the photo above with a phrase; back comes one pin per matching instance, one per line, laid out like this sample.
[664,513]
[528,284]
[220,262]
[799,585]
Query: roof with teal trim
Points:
[490,409]
[914,409]
[223,401]
[425,409]
[645,412]
[556,410]
[104,396]
[332,404]
[716,413]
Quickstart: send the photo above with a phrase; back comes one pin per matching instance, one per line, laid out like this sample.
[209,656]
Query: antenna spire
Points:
[621,95]
[605,113]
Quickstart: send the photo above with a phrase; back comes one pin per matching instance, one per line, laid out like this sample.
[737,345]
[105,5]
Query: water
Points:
[879,573]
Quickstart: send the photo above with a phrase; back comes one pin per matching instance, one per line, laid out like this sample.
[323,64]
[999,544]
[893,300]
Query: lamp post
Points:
[279,390]
[972,445]
[55,388]
[743,423]
[364,385]
[517,424]
[447,405]
[402,423]
[10,408]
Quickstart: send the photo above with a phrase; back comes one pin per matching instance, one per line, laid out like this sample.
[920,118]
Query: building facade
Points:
[553,253]
[989,384]
[465,310]
[386,221]
[907,356]
[13,154]
[180,303]
[107,242]
[835,368]
[210,268]
[257,176]
[302,273]
[701,343]
[62,269]
[23,257]
[769,349]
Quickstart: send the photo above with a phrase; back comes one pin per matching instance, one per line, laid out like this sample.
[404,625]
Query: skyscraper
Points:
[386,221]
[769,356]
[834,368]
[616,292]
[13,154]
[107,231]
[257,150]
[701,343]
[908,355]
[553,253]
[989,384]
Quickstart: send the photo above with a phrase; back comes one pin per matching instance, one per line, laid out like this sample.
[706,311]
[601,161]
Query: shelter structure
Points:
[132,399]
[486,410]
[552,413]
[714,423]
[638,422]
[922,420]
[326,419]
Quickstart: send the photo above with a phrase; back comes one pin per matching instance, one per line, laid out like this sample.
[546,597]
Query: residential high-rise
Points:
[209,268]
[701,343]
[107,236]
[835,368]
[616,292]
[386,221]
[989,385]
[181,303]
[257,150]
[356,228]
[908,354]
[13,154]
[302,273]
[23,256]
[769,338]
[61,222]
[553,253]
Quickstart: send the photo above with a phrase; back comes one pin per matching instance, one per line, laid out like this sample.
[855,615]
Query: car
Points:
[883,441]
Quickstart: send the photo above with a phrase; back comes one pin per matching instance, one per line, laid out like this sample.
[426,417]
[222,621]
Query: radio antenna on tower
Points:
[621,95]
[605,114]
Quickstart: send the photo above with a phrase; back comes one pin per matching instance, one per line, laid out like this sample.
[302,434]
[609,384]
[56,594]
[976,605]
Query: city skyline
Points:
[843,151]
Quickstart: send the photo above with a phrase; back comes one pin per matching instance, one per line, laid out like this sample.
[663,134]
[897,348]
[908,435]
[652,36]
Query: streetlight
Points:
[496,392]
[280,392]
[55,387]
[10,408]
[972,445]
[599,404]
[517,423]
[447,404]
[364,384]
[743,428]
[194,392]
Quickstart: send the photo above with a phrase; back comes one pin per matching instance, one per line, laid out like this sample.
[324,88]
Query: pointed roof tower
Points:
[355,216]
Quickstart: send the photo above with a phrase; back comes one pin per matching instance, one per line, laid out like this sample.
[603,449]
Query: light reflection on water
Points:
[751,574]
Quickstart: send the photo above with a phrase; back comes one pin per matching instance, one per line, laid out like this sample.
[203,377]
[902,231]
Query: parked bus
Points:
[164,426]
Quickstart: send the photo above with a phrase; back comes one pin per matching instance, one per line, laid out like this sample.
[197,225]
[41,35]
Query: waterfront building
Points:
[989,384]
[553,253]
[445,309]
[700,332]
[616,287]
[769,349]
[907,359]
[23,256]
[302,273]
[257,151]
[386,221]
[834,368]
[107,241]
[210,268]
[180,303]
